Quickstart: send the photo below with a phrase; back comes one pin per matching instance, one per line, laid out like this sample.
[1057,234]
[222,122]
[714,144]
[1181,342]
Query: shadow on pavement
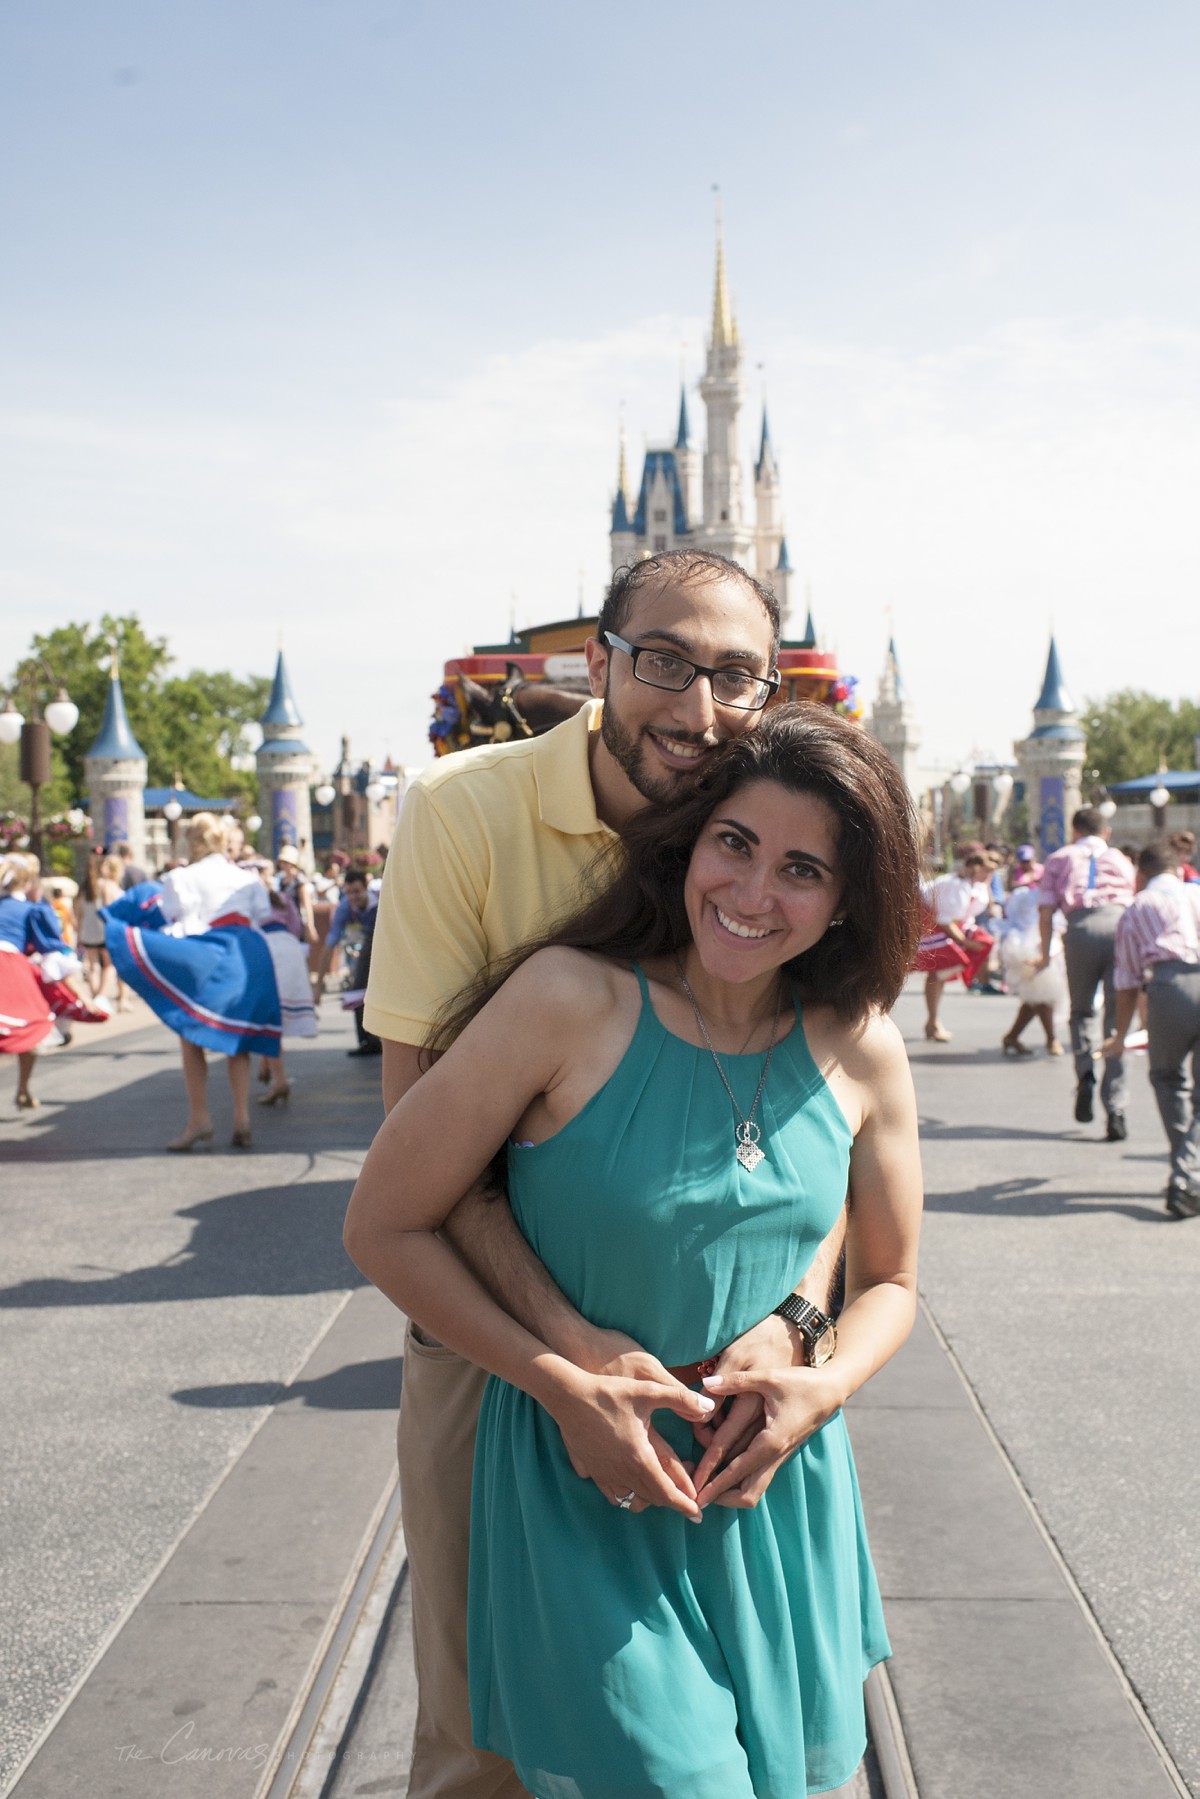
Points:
[358,1387]
[265,1240]
[335,1104]
[1026,1199]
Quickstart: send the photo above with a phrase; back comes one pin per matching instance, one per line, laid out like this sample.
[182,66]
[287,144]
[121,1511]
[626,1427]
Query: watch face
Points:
[821,1351]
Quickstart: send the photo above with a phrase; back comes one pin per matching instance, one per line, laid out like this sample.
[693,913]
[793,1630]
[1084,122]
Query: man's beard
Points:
[629,753]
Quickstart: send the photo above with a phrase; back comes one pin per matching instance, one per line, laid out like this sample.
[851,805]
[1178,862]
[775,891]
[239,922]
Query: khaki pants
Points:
[439,1409]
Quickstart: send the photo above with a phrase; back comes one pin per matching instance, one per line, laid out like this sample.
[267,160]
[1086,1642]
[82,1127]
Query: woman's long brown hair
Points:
[858,968]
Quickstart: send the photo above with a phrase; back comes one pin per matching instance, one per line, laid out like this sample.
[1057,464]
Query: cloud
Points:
[964,498]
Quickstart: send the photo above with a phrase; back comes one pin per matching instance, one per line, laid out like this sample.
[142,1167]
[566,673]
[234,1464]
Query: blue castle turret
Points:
[115,773]
[1050,760]
[286,770]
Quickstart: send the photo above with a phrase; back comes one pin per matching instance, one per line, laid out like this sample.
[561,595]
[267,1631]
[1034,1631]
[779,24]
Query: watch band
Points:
[814,1325]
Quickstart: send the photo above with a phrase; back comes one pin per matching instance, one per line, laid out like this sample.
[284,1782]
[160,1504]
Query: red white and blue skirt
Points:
[941,955]
[218,989]
[26,1018]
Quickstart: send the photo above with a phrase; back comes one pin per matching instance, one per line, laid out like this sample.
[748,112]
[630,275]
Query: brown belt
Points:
[692,1373]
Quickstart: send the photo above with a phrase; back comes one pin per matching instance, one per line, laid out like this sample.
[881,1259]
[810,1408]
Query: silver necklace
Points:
[746,1132]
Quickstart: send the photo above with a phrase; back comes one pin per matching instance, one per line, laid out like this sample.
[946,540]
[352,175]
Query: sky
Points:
[318,319]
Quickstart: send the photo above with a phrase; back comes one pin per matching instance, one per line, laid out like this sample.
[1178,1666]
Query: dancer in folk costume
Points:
[1041,991]
[204,951]
[952,944]
[35,969]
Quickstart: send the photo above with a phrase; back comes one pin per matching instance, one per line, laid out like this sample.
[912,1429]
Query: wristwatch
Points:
[818,1330]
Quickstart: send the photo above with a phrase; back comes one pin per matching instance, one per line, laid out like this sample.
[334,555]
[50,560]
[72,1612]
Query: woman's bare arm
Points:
[881,1275]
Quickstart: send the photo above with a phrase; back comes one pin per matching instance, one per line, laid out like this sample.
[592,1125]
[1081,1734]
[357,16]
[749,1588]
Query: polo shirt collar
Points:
[562,770]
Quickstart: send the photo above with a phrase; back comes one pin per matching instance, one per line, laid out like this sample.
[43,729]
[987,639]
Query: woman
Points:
[35,969]
[291,974]
[194,950]
[101,886]
[952,943]
[1040,991]
[689,1075]
[26,1019]
[294,885]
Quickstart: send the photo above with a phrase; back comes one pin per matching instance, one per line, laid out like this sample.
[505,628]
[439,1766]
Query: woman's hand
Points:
[770,1344]
[606,1428]
[795,1403]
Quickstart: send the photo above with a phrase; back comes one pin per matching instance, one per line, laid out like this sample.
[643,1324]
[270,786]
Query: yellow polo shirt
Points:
[488,852]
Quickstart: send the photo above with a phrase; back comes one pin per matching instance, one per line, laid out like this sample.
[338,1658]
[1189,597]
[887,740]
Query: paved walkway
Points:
[201,1400]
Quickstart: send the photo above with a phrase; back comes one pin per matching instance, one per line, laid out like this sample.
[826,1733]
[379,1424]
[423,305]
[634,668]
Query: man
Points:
[490,847]
[131,874]
[353,926]
[1091,884]
[1158,946]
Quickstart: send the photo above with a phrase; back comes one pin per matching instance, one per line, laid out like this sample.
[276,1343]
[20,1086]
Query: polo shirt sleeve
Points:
[430,942]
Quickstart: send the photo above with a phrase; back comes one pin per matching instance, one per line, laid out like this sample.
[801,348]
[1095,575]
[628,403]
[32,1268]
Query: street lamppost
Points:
[61,715]
[959,783]
[1160,797]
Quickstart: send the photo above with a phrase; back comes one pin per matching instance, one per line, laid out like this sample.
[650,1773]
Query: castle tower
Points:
[724,529]
[286,769]
[1050,760]
[624,542]
[687,461]
[115,772]
[892,721]
[768,520]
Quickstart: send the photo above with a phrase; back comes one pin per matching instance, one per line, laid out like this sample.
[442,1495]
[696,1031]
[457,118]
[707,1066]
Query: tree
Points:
[195,724]
[1130,731]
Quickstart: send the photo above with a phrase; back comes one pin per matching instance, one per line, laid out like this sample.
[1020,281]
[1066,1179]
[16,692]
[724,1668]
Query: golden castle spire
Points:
[724,325]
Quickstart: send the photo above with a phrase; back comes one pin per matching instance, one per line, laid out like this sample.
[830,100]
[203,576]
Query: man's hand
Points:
[1113,1048]
[606,1429]
[795,1402]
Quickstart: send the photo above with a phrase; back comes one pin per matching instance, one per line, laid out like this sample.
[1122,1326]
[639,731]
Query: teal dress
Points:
[621,1655]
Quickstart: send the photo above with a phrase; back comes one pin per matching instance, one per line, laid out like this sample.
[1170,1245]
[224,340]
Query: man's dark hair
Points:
[679,568]
[1185,844]
[1161,858]
[356,874]
[857,966]
[1088,821]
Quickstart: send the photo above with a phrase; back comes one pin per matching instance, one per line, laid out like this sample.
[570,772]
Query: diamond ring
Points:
[628,1500]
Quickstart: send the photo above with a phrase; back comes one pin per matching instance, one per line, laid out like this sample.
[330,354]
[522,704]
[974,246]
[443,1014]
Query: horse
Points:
[517,707]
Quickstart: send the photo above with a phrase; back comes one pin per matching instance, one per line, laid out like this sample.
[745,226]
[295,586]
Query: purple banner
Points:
[1052,825]
[285,818]
[116,819]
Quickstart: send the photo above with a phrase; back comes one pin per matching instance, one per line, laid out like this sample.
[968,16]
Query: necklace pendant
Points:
[748,1152]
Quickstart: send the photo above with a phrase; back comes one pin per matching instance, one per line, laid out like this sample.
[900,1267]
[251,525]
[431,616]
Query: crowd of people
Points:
[1107,936]
[219,946]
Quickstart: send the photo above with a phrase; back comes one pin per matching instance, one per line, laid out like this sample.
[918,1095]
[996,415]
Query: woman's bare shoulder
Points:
[865,1048]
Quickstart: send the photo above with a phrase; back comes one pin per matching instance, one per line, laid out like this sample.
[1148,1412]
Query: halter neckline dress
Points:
[616,1655]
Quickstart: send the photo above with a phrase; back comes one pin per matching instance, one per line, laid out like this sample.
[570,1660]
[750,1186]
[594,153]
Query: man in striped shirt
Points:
[1092,884]
[1158,946]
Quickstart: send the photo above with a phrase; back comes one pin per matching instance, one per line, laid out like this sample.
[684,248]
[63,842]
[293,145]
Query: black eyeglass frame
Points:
[636,650]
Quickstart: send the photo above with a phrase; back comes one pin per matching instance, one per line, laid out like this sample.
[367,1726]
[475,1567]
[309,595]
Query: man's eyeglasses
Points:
[662,668]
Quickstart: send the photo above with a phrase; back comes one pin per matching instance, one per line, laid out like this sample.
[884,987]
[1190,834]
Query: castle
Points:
[692,500]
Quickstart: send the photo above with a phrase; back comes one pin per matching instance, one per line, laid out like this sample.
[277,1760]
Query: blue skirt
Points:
[218,990]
